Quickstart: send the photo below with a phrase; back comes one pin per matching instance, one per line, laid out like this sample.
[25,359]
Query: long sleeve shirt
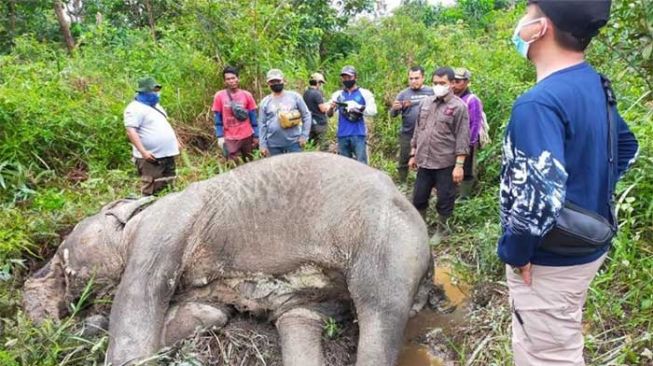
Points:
[271,133]
[475,109]
[441,133]
[555,150]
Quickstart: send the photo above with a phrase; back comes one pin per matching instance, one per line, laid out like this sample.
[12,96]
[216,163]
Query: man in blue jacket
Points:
[556,150]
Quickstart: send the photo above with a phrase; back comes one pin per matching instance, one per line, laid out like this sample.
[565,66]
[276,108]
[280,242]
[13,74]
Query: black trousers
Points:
[470,164]
[442,180]
[404,156]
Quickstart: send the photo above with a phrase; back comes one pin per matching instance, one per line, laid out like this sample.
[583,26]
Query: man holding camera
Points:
[235,118]
[352,104]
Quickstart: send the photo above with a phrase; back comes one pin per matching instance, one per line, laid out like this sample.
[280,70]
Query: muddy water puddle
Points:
[415,354]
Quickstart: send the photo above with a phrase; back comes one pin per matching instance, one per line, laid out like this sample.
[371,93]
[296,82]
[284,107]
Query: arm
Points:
[475,108]
[412,162]
[306,117]
[395,110]
[132,134]
[254,122]
[627,147]
[251,108]
[462,143]
[219,126]
[370,104]
[263,127]
[461,123]
[533,180]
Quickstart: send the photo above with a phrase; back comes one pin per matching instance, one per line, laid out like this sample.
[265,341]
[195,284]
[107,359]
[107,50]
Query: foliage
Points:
[63,153]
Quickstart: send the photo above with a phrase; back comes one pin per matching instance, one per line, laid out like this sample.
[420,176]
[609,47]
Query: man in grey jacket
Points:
[284,118]
[407,103]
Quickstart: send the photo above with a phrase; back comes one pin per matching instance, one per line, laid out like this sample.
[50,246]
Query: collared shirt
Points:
[151,125]
[442,132]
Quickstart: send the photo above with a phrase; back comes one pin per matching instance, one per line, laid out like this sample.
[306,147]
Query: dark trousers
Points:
[156,175]
[404,156]
[442,180]
[318,136]
[469,168]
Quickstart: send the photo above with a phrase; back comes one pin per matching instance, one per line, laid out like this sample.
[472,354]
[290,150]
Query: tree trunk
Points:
[150,18]
[11,5]
[65,27]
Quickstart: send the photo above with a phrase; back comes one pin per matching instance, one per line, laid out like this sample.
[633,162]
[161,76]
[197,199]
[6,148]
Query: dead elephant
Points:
[294,236]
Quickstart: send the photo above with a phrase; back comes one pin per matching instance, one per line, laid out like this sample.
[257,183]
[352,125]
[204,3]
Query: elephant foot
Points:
[301,337]
[182,320]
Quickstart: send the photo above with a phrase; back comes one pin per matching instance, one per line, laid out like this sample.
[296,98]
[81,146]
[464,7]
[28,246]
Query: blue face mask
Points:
[150,99]
[520,45]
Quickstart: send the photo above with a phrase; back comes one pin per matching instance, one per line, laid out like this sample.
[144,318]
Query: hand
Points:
[396,105]
[458,174]
[180,144]
[302,141]
[221,142]
[412,163]
[406,104]
[526,273]
[264,152]
[148,156]
[255,142]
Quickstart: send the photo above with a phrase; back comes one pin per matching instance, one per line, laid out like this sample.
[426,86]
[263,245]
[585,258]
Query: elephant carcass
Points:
[292,236]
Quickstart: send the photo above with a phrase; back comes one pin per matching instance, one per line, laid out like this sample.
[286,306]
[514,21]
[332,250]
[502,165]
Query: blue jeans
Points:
[285,149]
[353,147]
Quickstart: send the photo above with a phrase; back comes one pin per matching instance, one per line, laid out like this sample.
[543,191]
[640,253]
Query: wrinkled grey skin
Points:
[294,236]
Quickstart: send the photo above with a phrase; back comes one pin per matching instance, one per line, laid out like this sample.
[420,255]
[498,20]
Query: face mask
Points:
[151,99]
[440,90]
[277,88]
[349,83]
[520,45]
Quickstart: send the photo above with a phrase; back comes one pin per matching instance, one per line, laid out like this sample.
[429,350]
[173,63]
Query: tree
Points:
[65,26]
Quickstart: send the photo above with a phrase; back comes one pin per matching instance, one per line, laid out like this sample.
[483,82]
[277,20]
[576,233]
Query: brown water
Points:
[414,354]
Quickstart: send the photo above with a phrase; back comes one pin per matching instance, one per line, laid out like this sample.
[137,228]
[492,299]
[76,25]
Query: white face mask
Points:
[440,90]
[520,45]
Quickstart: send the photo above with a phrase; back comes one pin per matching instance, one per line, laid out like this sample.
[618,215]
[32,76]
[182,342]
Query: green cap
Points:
[147,84]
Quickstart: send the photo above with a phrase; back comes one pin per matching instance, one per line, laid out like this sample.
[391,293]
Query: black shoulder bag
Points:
[577,231]
[239,112]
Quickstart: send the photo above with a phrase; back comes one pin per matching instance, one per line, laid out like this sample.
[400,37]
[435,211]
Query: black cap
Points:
[581,18]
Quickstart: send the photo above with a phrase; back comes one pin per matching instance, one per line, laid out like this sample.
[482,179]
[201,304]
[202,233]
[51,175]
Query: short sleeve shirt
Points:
[233,128]
[151,125]
[313,98]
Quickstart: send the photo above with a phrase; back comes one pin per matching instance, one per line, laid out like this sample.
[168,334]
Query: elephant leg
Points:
[301,337]
[184,319]
[383,283]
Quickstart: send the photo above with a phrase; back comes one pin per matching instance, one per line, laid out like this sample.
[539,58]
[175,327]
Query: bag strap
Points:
[155,108]
[611,101]
[231,99]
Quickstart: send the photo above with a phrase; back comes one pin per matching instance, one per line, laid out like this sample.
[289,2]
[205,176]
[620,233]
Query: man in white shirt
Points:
[154,142]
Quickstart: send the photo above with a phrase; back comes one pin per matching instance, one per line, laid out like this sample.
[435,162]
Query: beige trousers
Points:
[547,316]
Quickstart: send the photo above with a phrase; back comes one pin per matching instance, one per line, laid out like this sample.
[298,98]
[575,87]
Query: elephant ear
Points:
[123,210]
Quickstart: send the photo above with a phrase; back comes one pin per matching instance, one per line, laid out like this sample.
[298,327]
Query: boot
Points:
[465,189]
[442,230]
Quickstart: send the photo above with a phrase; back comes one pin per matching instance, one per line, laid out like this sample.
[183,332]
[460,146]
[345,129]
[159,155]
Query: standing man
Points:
[235,118]
[407,103]
[439,147]
[154,142]
[555,153]
[460,87]
[285,119]
[352,103]
[314,99]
